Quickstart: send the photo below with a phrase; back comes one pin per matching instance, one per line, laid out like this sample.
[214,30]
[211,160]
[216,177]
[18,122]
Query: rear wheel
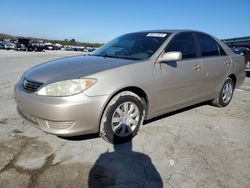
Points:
[122,118]
[225,95]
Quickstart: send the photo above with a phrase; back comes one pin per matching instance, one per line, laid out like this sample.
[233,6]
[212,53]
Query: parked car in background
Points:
[91,49]
[74,48]
[244,51]
[2,45]
[24,45]
[69,48]
[58,46]
[37,47]
[134,77]
[9,45]
[51,47]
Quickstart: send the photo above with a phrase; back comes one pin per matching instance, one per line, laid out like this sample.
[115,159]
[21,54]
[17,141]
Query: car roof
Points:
[168,31]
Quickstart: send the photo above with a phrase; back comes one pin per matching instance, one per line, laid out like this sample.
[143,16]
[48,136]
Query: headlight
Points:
[66,87]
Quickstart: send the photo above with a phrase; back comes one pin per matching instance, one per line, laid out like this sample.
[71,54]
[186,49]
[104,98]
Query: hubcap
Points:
[227,92]
[125,119]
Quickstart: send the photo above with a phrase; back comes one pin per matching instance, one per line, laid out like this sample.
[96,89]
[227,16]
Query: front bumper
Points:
[64,116]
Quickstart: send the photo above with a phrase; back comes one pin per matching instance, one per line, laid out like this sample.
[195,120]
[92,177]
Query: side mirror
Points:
[170,56]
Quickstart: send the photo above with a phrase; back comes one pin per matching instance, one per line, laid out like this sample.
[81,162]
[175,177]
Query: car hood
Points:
[73,67]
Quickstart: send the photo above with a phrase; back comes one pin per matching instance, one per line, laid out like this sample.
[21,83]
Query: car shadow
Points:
[175,112]
[124,168]
[81,137]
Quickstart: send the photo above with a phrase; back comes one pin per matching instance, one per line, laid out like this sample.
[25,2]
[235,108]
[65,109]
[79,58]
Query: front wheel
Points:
[225,95]
[122,118]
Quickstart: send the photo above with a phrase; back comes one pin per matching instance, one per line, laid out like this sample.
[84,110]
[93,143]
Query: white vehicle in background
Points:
[9,45]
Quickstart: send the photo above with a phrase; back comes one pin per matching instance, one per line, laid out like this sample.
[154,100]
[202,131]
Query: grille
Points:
[31,86]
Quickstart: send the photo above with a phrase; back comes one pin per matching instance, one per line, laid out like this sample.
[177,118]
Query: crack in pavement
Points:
[33,173]
[11,163]
[36,173]
[191,178]
[184,175]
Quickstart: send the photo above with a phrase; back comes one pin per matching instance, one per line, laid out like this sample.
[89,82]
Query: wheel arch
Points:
[233,77]
[134,89]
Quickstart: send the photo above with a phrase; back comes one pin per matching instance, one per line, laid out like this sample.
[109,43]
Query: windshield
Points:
[136,46]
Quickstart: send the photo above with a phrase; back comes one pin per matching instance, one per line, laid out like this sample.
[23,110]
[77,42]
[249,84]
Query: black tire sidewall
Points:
[221,102]
[110,135]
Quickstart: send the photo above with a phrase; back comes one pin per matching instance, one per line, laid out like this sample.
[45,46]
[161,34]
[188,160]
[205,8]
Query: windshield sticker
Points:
[156,35]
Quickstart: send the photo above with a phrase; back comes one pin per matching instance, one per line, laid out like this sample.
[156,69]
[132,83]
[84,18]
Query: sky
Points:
[102,20]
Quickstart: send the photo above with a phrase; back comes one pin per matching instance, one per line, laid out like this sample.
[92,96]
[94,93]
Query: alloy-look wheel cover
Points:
[227,92]
[125,119]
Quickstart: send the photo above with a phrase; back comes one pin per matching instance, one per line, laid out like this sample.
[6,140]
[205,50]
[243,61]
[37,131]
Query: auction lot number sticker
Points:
[156,34]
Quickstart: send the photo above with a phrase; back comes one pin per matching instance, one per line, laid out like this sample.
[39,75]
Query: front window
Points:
[136,46]
[183,43]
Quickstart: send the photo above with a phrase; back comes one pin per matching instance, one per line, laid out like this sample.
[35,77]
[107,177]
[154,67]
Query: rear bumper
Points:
[64,116]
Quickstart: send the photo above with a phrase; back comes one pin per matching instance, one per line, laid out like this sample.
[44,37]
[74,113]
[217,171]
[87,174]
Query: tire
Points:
[225,95]
[116,125]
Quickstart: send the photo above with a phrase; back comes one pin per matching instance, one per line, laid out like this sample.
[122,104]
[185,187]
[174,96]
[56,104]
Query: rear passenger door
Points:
[216,63]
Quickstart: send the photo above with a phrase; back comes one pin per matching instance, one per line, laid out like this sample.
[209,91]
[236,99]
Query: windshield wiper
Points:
[131,58]
[104,55]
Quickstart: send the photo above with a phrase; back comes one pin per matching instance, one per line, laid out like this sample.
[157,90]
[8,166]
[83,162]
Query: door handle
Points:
[197,67]
[226,63]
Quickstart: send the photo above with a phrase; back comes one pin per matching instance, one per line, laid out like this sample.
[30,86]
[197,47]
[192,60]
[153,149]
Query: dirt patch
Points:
[16,154]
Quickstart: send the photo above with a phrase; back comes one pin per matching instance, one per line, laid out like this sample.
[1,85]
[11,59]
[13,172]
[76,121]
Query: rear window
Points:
[209,47]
